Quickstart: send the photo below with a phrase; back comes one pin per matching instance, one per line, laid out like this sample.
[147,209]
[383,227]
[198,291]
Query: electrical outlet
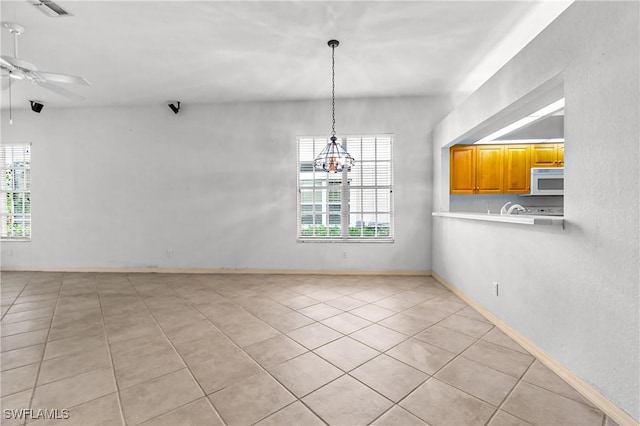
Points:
[495,288]
[169,253]
[344,254]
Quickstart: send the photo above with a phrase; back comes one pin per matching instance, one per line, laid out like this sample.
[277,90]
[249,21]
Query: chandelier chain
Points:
[333,90]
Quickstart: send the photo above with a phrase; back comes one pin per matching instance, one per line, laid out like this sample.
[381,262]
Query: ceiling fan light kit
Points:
[333,158]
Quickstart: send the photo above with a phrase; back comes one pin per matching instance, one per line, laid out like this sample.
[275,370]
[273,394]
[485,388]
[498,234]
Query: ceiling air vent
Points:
[50,8]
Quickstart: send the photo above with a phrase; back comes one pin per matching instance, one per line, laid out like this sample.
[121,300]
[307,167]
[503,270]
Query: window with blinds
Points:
[15,213]
[351,205]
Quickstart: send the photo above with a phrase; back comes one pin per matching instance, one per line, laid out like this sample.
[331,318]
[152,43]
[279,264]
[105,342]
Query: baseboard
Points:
[131,270]
[596,398]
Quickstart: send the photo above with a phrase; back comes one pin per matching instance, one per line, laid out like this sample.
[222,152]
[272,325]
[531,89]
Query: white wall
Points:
[574,292]
[216,184]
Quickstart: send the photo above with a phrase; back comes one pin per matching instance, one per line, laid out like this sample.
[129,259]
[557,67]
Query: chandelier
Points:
[333,158]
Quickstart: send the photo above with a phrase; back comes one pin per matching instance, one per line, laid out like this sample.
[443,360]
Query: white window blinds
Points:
[15,213]
[356,204]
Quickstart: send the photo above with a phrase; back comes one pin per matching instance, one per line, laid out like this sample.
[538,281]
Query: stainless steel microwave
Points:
[547,181]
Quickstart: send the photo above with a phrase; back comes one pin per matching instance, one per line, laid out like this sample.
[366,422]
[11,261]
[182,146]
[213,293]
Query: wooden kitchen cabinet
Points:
[476,169]
[547,155]
[517,169]
[499,169]
[462,169]
[489,169]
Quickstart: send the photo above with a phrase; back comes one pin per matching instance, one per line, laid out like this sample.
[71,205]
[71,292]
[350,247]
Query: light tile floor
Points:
[151,349]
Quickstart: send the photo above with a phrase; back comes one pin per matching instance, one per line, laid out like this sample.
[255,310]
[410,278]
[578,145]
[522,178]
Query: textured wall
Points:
[215,184]
[573,292]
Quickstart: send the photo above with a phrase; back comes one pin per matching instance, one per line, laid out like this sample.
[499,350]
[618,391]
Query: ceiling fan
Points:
[15,68]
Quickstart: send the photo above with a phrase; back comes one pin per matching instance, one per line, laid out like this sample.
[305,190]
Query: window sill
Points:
[345,240]
[15,240]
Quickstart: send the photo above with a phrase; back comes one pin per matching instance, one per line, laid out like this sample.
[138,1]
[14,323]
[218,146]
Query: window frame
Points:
[4,192]
[345,189]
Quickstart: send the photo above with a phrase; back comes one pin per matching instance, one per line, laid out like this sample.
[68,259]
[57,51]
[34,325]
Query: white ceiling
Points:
[152,52]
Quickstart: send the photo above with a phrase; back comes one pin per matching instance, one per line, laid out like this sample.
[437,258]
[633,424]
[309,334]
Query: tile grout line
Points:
[46,341]
[556,393]
[311,409]
[511,392]
[19,293]
[113,367]
[433,376]
[284,408]
[43,349]
[394,403]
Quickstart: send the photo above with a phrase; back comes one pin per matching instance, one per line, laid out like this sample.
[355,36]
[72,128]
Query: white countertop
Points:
[521,219]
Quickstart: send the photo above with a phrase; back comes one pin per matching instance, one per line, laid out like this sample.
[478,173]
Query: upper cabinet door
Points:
[547,155]
[544,155]
[490,169]
[462,169]
[517,169]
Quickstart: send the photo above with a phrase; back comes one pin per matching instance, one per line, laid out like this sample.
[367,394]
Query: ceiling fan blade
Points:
[21,64]
[60,90]
[63,78]
[6,64]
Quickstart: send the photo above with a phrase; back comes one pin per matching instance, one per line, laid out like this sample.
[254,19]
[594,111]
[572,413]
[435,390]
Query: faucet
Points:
[517,208]
[503,210]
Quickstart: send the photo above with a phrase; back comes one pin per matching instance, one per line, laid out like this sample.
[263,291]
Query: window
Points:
[15,213]
[354,205]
